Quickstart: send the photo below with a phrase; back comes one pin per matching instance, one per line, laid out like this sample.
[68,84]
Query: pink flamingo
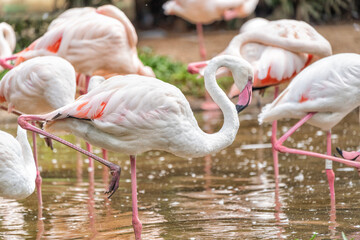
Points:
[37,86]
[205,12]
[7,41]
[277,50]
[322,94]
[134,114]
[98,41]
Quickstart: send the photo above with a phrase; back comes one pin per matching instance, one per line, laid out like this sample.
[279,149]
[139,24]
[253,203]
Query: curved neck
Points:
[319,47]
[29,162]
[217,141]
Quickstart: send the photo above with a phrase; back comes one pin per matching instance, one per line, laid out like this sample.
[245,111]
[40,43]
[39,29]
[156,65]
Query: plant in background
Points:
[312,10]
[176,73]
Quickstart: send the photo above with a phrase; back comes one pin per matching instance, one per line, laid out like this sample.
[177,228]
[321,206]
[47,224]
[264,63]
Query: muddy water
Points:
[230,195]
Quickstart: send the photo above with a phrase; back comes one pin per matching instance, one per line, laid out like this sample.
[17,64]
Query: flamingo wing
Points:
[327,86]
[123,104]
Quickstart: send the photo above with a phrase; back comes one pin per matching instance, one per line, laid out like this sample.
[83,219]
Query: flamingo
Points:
[134,114]
[98,41]
[17,167]
[205,12]
[39,85]
[322,95]
[278,51]
[7,41]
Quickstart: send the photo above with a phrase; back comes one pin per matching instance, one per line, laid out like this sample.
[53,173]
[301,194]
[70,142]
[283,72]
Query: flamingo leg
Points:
[114,169]
[105,171]
[280,148]
[273,140]
[200,34]
[38,179]
[135,217]
[329,168]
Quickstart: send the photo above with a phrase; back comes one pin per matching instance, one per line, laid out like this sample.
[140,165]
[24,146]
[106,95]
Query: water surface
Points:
[229,195]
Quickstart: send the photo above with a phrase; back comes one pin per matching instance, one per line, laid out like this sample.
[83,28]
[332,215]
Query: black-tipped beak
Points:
[339,151]
[239,108]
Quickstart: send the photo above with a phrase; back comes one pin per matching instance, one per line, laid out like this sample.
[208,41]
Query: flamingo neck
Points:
[320,47]
[223,138]
[29,163]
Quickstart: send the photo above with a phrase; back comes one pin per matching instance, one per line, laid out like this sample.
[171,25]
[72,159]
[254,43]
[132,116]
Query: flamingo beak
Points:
[244,97]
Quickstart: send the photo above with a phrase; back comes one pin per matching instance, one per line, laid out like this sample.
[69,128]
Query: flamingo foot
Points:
[137,225]
[115,171]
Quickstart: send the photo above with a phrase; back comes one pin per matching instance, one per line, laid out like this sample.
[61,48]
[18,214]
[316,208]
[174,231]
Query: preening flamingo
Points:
[322,95]
[17,166]
[100,41]
[37,86]
[134,114]
[7,41]
[205,12]
[277,50]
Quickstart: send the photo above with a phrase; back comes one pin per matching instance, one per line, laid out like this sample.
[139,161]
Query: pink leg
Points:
[105,171]
[135,218]
[328,166]
[279,147]
[273,140]
[199,29]
[91,163]
[38,179]
[115,169]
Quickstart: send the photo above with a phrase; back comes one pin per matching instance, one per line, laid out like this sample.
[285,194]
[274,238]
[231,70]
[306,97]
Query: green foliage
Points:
[311,10]
[176,73]
[2,74]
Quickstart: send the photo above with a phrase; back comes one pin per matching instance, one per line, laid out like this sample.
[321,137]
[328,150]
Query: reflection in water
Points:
[229,195]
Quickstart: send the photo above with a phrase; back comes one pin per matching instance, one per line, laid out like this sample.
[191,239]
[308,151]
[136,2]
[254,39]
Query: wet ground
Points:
[230,195]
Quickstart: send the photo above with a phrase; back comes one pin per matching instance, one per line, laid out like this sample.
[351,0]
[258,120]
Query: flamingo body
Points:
[205,12]
[17,166]
[7,41]
[330,87]
[39,85]
[134,114]
[277,50]
[96,41]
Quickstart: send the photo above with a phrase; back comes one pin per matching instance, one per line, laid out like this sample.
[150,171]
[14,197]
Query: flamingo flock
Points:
[122,106]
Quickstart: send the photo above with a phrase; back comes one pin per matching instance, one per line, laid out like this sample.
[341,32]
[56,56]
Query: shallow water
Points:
[230,195]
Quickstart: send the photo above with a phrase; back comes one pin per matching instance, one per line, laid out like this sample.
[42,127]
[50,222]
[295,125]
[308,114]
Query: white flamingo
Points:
[17,166]
[134,114]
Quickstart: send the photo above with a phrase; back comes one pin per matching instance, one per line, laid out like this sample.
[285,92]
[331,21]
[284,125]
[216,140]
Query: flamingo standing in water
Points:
[7,41]
[278,51]
[205,12]
[322,95]
[134,114]
[37,86]
[17,166]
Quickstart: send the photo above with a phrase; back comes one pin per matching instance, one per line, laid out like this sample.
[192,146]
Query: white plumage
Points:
[330,87]
[17,166]
[98,41]
[7,41]
[39,85]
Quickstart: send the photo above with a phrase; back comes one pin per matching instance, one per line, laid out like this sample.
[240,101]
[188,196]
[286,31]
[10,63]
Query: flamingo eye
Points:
[250,78]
